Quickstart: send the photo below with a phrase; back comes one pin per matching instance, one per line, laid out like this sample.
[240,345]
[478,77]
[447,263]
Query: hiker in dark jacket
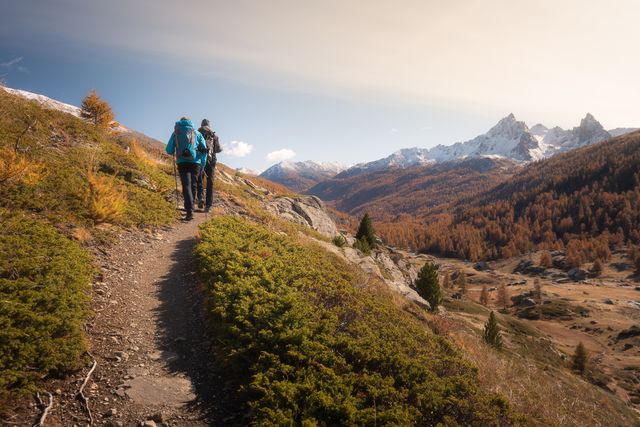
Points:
[189,149]
[213,147]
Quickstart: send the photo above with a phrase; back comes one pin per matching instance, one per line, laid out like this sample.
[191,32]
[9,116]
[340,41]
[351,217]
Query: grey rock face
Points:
[305,210]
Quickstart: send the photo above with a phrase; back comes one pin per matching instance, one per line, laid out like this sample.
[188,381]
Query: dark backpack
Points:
[185,142]
[213,144]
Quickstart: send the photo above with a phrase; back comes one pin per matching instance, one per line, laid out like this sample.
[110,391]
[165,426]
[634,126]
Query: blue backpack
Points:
[185,142]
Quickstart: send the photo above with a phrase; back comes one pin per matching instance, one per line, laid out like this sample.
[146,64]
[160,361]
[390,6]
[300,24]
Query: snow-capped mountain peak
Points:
[509,139]
[302,175]
[508,128]
[45,101]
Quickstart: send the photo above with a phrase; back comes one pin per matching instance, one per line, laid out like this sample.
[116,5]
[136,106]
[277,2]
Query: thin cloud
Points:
[11,62]
[279,155]
[237,149]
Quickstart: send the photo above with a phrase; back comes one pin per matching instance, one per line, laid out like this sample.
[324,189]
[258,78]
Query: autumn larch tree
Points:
[446,281]
[484,296]
[97,110]
[428,286]
[580,358]
[545,260]
[537,291]
[461,281]
[503,296]
[491,333]
[366,232]
[596,268]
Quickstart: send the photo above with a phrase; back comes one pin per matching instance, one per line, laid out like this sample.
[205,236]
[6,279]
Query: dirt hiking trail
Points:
[154,363]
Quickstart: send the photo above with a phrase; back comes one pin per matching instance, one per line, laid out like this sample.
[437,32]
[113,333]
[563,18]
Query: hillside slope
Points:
[63,184]
[577,196]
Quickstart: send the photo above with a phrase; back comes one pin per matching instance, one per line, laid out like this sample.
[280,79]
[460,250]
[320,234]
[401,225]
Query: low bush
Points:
[339,241]
[310,344]
[43,279]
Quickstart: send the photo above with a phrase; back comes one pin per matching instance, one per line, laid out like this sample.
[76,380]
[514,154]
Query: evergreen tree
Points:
[366,232]
[428,286]
[484,296]
[580,359]
[97,110]
[461,281]
[491,333]
[503,296]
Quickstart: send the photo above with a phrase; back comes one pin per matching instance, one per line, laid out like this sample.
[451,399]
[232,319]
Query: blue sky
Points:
[329,81]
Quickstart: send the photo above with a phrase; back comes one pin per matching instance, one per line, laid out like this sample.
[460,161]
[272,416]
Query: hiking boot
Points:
[200,204]
[189,216]
[207,209]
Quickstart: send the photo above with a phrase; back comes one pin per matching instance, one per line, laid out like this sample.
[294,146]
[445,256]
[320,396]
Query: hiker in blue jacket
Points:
[190,153]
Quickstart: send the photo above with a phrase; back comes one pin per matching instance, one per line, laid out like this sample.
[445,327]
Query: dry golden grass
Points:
[550,396]
[19,169]
[143,155]
[106,202]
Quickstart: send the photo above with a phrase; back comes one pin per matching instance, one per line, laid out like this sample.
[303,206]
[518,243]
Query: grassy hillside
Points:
[313,342]
[63,185]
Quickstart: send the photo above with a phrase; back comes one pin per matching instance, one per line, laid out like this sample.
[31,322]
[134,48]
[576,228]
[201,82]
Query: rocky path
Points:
[148,339]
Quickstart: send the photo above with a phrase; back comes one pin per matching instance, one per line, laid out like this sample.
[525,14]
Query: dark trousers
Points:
[188,177]
[209,173]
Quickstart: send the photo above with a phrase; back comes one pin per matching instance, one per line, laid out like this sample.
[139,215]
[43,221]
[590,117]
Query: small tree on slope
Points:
[461,281]
[580,359]
[428,286]
[366,232]
[491,333]
[97,110]
[484,296]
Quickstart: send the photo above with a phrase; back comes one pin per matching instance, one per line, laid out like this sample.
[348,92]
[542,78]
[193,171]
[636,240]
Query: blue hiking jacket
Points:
[201,145]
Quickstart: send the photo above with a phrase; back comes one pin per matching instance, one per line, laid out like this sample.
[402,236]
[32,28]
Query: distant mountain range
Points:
[300,176]
[509,139]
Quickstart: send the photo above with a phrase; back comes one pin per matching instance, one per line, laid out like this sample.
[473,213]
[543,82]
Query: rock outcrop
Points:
[304,210]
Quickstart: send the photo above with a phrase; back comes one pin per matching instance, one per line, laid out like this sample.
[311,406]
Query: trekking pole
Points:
[175,177]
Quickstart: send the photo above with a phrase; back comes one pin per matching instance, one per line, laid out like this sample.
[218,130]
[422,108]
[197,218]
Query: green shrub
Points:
[428,286]
[366,232]
[43,279]
[362,245]
[310,346]
[339,241]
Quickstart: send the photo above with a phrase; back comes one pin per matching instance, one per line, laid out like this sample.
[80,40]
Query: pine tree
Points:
[580,359]
[366,232]
[97,110]
[461,281]
[503,296]
[484,296]
[428,286]
[491,333]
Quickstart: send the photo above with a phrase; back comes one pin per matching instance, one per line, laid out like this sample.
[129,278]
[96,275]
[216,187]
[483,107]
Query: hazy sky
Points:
[342,80]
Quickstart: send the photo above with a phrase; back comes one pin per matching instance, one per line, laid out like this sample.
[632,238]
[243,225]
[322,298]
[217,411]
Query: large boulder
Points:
[577,274]
[482,266]
[526,266]
[305,210]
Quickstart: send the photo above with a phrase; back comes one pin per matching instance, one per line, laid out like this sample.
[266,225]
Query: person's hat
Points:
[205,122]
